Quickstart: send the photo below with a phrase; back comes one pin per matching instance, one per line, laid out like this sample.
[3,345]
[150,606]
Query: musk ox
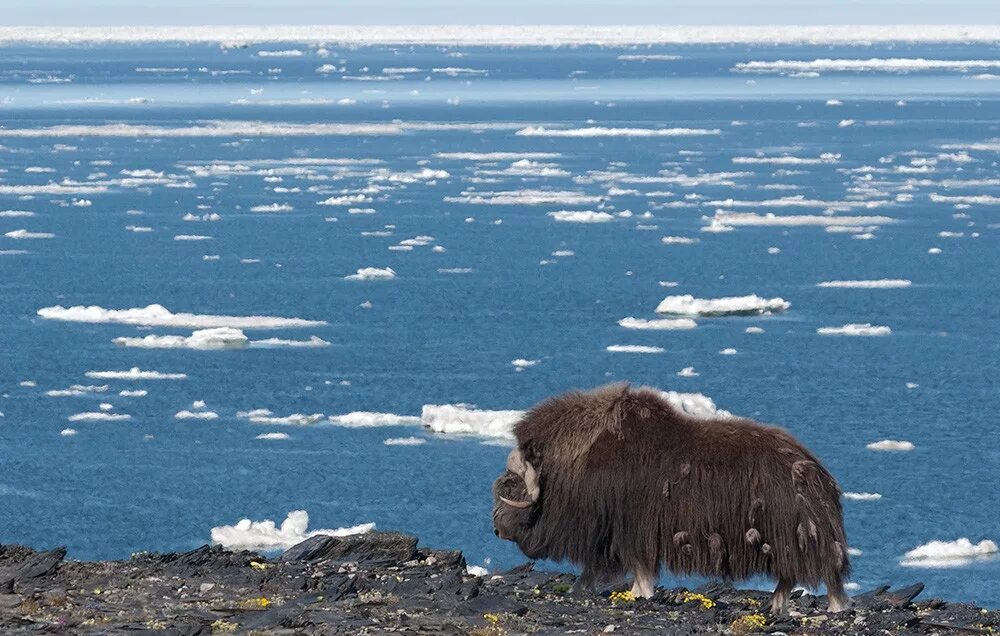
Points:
[616,480]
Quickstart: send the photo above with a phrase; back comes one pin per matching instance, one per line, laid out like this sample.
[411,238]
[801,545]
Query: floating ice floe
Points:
[525,197]
[264,535]
[160,316]
[25,234]
[658,323]
[12,214]
[855,329]
[77,390]
[729,306]
[136,393]
[583,216]
[596,131]
[497,156]
[214,339]
[732,219]
[476,570]
[883,283]
[372,273]
[264,416]
[862,496]
[890,445]
[754,330]
[787,160]
[522,363]
[198,412]
[68,432]
[273,343]
[272,207]
[728,351]
[134,374]
[688,372]
[273,436]
[462,420]
[364,419]
[944,554]
[634,349]
[891,65]
[678,240]
[284,53]
[404,441]
[977,199]
[694,404]
[99,416]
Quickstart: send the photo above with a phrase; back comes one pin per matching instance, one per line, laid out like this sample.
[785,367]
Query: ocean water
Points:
[97,139]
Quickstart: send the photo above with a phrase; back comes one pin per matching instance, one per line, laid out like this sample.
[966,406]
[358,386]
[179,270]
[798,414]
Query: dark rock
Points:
[524,568]
[10,600]
[33,566]
[372,547]
[903,596]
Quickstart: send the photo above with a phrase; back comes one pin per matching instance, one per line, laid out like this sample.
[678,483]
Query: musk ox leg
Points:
[779,602]
[644,585]
[838,600]
[584,584]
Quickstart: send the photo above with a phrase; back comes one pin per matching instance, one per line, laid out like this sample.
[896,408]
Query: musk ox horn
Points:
[517,464]
[516,504]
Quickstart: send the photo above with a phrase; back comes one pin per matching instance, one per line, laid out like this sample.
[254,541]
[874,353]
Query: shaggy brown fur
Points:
[628,483]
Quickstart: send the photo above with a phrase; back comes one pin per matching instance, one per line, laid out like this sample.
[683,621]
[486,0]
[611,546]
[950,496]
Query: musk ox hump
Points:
[561,431]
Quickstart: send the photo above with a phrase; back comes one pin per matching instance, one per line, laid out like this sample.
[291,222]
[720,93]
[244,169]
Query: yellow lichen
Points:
[622,597]
[255,603]
[493,628]
[257,565]
[706,603]
[748,624]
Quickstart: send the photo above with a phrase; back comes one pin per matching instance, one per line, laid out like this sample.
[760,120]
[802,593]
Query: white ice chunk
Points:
[855,329]
[581,216]
[364,419]
[273,436]
[134,374]
[457,419]
[160,316]
[862,496]
[729,306]
[264,535]
[883,283]
[99,416]
[943,554]
[404,441]
[372,273]
[618,348]
[596,131]
[658,323]
[890,445]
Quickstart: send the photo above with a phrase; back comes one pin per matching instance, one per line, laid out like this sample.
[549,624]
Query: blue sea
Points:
[258,181]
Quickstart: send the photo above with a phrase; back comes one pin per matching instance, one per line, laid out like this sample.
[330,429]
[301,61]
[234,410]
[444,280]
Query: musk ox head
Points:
[516,499]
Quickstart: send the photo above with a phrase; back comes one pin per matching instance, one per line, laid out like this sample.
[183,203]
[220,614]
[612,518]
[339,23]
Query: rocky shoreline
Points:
[382,583]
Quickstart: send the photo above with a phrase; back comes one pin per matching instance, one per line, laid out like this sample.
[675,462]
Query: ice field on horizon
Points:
[258,280]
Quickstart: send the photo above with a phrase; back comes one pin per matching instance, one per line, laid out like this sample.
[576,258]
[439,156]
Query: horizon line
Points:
[505,34]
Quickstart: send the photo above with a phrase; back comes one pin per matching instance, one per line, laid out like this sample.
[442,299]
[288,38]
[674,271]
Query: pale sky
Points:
[595,12]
